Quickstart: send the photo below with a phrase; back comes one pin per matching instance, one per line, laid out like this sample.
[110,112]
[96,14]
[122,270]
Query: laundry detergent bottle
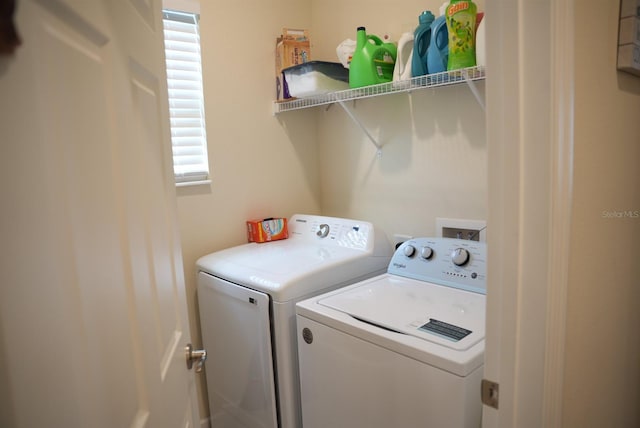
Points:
[438,53]
[402,70]
[421,41]
[461,25]
[373,60]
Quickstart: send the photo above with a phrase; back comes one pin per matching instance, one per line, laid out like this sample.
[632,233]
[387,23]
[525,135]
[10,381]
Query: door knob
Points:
[198,357]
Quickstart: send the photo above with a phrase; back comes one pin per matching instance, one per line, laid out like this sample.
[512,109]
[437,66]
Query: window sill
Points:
[193,183]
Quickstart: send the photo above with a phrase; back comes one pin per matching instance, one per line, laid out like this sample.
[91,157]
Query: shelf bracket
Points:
[473,88]
[364,129]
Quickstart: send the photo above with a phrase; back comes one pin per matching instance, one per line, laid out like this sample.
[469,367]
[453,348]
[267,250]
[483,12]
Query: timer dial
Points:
[323,230]
[460,257]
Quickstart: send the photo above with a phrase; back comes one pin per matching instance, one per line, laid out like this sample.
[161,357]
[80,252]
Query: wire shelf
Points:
[464,75]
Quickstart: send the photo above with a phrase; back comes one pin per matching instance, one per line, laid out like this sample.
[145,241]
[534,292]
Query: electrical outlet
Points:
[399,238]
[454,232]
[461,229]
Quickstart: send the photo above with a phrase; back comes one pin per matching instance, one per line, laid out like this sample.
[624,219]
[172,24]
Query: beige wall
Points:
[602,378]
[317,161]
[433,161]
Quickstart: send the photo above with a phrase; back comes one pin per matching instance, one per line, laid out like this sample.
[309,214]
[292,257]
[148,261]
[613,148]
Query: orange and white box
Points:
[269,229]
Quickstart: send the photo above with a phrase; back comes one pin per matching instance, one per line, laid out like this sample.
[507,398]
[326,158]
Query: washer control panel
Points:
[457,263]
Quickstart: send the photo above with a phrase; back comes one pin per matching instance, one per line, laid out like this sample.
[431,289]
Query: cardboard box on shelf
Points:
[292,48]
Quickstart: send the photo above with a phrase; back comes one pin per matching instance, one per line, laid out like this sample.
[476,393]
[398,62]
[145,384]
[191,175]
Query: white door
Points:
[530,133]
[93,318]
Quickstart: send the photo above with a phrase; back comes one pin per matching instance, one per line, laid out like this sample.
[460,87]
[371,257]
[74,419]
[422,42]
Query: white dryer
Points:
[247,296]
[403,349]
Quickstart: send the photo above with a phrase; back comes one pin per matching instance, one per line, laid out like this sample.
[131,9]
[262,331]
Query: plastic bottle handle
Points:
[422,45]
[441,41]
[376,39]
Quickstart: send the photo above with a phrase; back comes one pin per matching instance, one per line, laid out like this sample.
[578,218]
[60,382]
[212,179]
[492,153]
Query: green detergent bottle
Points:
[372,62]
[461,24]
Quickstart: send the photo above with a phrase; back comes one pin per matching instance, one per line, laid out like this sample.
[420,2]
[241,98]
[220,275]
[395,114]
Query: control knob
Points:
[426,253]
[323,230]
[409,250]
[460,257]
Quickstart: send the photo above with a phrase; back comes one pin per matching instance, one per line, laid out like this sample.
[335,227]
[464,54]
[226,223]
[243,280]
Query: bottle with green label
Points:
[461,25]
[372,62]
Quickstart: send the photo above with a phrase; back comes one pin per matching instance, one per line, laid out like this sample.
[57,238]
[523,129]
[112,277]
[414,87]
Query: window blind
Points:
[186,100]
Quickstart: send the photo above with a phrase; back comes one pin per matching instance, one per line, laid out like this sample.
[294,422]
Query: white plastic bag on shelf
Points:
[345,52]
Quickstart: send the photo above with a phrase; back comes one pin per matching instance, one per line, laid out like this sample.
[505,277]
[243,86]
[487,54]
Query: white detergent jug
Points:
[402,70]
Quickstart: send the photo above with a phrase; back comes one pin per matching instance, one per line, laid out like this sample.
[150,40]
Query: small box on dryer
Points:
[269,229]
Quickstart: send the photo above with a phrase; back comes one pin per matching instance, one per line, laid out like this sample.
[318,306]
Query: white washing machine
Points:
[403,349]
[247,296]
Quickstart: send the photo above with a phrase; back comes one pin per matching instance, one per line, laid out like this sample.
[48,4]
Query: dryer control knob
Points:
[460,257]
[409,250]
[426,253]
[323,230]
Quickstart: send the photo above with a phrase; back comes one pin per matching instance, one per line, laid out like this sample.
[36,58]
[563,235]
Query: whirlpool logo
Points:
[399,265]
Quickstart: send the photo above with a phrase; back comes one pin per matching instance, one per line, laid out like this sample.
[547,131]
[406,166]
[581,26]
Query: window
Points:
[186,100]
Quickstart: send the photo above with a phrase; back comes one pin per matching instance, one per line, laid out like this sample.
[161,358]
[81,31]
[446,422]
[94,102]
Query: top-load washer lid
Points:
[429,306]
[320,252]
[434,290]
[446,316]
